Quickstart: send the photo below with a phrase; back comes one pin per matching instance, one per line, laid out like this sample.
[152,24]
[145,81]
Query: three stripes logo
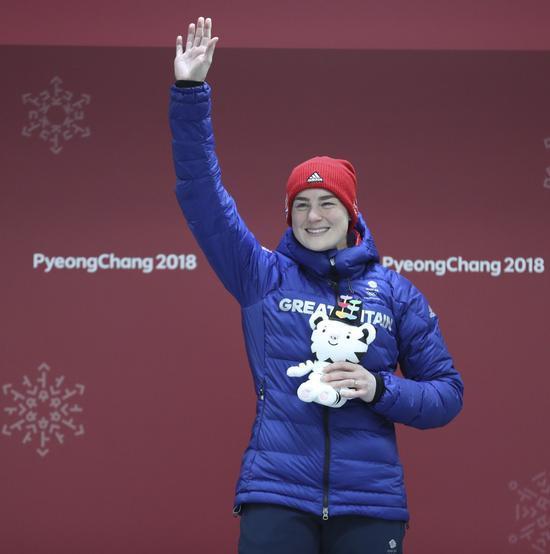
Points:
[315,178]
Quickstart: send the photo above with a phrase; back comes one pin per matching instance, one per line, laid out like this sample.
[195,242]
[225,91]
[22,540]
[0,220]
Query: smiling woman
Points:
[313,456]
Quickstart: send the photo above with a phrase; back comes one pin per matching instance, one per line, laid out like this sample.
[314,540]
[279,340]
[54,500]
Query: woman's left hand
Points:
[342,375]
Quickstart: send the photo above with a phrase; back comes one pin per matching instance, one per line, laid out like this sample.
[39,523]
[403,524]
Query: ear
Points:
[369,333]
[316,318]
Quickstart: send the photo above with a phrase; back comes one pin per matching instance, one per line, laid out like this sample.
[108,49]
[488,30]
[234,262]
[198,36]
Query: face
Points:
[319,220]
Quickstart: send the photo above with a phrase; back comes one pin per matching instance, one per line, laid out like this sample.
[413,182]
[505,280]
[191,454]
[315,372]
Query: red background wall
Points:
[450,154]
[391,24]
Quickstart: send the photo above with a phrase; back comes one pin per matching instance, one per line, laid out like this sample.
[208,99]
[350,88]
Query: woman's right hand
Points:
[194,63]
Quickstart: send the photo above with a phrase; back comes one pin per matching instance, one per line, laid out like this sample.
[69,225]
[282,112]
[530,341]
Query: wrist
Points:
[187,83]
[371,388]
[379,389]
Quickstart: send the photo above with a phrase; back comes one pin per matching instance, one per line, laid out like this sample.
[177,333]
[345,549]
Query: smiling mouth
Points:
[317,231]
[333,343]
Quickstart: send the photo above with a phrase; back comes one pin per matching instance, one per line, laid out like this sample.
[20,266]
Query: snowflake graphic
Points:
[531,513]
[55,116]
[42,410]
[547,177]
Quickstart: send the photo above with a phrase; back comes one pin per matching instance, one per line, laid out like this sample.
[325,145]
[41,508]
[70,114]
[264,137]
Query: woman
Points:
[319,475]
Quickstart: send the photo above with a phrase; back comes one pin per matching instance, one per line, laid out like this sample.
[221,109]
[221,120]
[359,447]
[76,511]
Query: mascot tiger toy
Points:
[339,337]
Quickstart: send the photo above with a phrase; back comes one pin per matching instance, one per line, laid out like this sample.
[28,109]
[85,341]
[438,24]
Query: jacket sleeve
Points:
[431,394]
[245,268]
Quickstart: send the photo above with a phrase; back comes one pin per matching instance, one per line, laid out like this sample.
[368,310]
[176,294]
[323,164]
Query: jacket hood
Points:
[348,262]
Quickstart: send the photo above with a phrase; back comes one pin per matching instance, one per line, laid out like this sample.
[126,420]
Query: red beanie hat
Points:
[336,176]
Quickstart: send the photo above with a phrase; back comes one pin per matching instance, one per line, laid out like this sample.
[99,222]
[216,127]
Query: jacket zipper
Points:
[326,466]
[333,280]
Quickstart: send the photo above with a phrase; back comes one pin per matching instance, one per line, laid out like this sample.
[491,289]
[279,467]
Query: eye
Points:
[324,329]
[328,204]
[300,206]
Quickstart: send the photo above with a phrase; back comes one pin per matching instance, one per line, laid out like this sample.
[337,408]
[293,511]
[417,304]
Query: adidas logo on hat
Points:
[315,178]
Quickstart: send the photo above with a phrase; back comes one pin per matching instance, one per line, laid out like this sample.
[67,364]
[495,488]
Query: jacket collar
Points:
[347,262]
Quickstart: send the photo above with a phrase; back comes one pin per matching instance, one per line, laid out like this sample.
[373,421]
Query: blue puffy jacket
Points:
[327,461]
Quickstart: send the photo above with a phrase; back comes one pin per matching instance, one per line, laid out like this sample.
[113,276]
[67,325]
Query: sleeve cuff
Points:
[380,389]
[186,84]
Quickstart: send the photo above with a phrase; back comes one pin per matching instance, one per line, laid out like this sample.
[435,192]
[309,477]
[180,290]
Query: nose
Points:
[313,214]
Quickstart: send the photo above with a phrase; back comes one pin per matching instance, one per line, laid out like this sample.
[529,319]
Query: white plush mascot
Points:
[338,338]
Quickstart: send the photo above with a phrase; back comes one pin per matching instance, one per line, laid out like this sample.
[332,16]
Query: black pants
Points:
[270,529]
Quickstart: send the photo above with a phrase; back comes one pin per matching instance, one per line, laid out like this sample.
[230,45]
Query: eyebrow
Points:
[324,197]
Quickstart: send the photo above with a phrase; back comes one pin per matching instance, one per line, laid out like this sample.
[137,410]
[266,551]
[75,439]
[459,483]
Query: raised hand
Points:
[194,63]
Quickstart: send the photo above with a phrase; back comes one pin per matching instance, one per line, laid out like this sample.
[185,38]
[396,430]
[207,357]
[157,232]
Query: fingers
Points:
[345,374]
[207,31]
[199,35]
[341,380]
[351,393]
[341,366]
[336,376]
[190,36]
[352,380]
[210,47]
[199,32]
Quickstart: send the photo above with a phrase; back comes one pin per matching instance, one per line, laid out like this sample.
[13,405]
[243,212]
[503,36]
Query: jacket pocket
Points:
[260,412]
[255,443]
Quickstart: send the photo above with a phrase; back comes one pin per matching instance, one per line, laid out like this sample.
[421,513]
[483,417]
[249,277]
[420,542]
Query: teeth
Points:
[316,231]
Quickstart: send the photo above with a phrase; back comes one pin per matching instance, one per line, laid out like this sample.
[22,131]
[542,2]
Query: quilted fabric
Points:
[322,460]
